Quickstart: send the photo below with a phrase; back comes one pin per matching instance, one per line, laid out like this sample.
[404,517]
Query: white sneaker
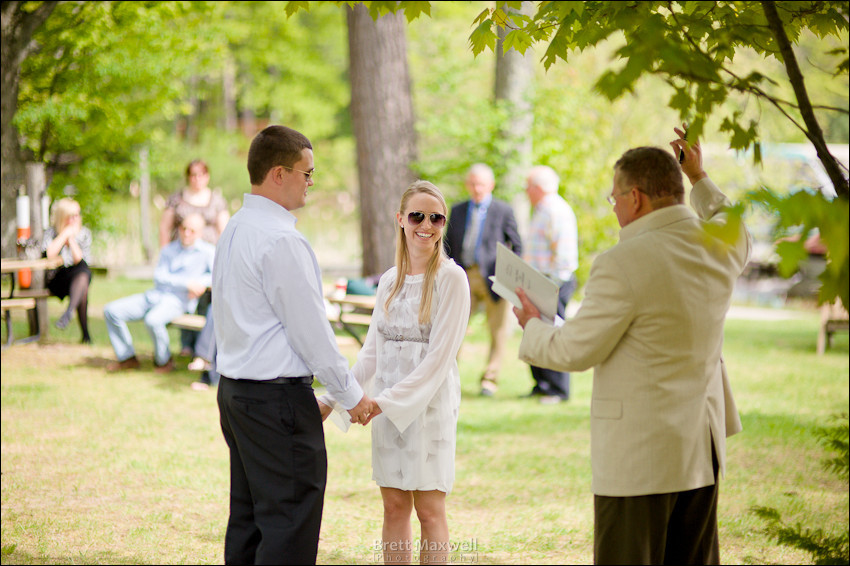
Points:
[550,400]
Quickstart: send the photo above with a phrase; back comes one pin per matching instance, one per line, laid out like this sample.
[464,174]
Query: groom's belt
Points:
[291,380]
[308,380]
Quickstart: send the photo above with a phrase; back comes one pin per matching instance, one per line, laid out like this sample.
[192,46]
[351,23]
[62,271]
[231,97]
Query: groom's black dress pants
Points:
[278,470]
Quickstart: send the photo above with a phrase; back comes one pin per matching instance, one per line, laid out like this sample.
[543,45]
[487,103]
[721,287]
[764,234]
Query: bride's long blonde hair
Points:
[402,255]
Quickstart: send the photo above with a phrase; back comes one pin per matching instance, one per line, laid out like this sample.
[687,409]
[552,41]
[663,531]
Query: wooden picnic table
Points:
[33,302]
[355,311]
[13,265]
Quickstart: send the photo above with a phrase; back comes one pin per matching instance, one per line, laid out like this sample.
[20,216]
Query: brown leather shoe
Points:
[167,367]
[129,363]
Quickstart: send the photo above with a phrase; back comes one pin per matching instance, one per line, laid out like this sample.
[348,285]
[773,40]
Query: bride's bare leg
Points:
[431,511]
[397,533]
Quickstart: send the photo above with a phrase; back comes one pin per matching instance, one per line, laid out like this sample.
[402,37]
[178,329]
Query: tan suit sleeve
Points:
[588,339]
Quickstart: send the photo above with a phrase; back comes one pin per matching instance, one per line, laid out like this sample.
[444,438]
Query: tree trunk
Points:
[228,92]
[248,123]
[382,117]
[145,204]
[18,27]
[36,188]
[513,88]
[813,129]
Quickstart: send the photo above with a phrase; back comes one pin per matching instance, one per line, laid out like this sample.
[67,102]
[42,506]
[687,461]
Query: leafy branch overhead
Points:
[692,47]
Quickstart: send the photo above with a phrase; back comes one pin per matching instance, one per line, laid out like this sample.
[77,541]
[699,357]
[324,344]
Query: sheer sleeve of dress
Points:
[367,359]
[407,399]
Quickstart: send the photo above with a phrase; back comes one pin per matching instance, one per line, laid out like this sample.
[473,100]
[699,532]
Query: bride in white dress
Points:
[408,366]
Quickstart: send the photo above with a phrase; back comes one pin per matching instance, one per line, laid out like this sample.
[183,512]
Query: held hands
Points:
[364,411]
[692,163]
[528,310]
[374,411]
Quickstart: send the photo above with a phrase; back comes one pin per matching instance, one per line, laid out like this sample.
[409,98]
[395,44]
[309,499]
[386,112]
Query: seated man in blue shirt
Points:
[182,275]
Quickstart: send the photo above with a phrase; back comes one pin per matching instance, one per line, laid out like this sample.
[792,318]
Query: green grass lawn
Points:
[100,468]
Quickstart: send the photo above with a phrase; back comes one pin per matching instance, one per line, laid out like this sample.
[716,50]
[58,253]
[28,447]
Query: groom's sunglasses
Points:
[416,218]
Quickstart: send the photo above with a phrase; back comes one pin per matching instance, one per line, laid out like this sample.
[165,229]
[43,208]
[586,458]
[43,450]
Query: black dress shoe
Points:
[533,393]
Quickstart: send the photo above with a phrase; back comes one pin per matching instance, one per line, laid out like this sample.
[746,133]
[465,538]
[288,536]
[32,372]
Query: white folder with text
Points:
[513,272]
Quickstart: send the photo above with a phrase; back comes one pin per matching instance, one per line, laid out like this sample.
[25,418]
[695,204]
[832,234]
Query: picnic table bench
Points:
[355,313]
[833,318]
[187,321]
[354,317]
[31,301]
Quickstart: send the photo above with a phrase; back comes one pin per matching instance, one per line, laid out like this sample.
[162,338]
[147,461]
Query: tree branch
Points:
[815,134]
[750,88]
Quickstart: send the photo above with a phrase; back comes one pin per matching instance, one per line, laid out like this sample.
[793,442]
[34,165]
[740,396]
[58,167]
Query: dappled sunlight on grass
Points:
[132,467]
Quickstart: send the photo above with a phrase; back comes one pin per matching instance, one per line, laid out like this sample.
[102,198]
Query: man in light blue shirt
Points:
[182,275]
[272,338]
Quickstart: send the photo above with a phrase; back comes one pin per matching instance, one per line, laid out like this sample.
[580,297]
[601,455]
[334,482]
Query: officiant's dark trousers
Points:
[665,528]
[278,471]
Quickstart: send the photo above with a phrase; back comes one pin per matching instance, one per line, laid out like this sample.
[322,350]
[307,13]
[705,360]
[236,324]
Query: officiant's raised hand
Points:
[528,310]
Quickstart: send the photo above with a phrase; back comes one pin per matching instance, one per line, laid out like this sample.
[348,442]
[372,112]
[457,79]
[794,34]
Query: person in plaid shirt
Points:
[552,249]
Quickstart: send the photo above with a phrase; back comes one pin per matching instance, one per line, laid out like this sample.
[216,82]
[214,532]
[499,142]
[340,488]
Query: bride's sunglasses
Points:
[416,218]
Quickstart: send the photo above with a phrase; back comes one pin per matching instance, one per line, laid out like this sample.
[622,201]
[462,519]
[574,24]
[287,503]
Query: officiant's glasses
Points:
[437,220]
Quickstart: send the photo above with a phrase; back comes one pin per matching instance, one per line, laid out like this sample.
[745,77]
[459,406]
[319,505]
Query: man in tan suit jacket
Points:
[651,326]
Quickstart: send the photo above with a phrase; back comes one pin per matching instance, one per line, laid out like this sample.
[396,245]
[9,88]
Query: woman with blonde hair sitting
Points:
[69,239]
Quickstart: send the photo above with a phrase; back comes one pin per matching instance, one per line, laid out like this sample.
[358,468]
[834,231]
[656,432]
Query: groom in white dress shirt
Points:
[272,338]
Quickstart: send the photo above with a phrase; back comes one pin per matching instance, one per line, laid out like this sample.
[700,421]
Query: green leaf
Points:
[499,17]
[614,84]
[480,18]
[293,7]
[575,7]
[517,39]
[740,138]
[413,10]
[791,255]
[557,48]
[681,100]
[378,9]
[483,37]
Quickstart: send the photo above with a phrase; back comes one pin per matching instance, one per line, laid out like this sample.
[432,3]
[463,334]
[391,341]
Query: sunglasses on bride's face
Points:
[437,220]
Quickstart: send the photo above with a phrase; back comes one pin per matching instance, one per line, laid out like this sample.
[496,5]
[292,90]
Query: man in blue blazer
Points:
[475,227]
